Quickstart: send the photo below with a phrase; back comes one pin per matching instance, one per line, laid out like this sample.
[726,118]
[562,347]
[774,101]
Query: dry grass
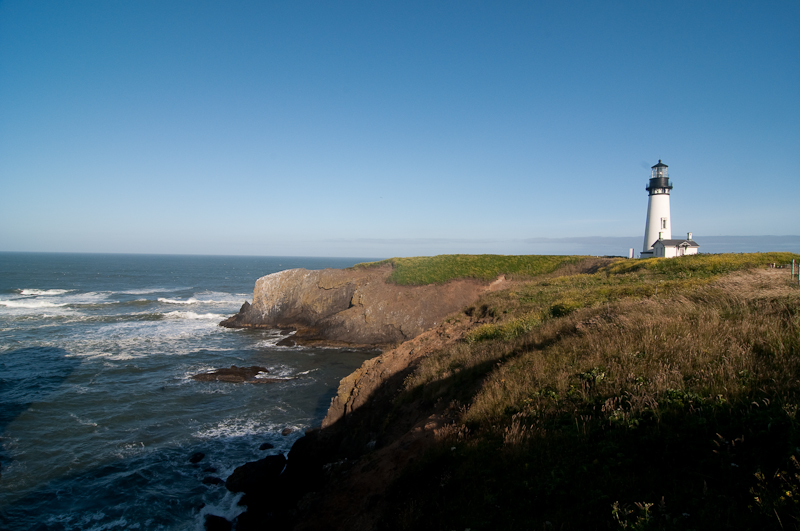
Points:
[714,345]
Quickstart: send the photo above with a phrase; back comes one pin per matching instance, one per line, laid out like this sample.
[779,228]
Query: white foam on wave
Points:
[83,422]
[282,371]
[228,507]
[266,375]
[192,315]
[190,300]
[126,450]
[220,297]
[146,291]
[197,369]
[232,427]
[44,292]
[271,338]
[126,340]
[208,297]
[30,303]
[67,298]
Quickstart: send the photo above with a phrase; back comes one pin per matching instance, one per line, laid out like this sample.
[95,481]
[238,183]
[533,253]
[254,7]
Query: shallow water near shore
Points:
[98,413]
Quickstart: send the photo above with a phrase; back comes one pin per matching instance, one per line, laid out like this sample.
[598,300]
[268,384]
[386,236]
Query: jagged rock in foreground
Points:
[351,306]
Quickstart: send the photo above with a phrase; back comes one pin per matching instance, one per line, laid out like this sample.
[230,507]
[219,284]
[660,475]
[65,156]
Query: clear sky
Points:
[392,128]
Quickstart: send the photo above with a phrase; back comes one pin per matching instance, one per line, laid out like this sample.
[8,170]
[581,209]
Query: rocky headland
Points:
[353,307]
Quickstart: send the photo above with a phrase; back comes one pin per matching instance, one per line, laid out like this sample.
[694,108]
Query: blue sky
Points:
[392,129]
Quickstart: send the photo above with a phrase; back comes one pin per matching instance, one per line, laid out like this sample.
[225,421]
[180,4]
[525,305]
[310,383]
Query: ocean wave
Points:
[119,318]
[244,426]
[228,507]
[101,305]
[192,315]
[30,304]
[147,291]
[43,292]
[271,338]
[282,372]
[89,305]
[207,298]
[221,297]
[190,300]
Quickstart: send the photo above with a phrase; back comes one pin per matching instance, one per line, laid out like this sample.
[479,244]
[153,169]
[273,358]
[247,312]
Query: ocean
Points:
[98,413]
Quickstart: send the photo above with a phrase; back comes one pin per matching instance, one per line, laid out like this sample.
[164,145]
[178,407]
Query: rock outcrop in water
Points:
[350,307]
[237,375]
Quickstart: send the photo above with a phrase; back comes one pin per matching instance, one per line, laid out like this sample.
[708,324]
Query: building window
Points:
[663,223]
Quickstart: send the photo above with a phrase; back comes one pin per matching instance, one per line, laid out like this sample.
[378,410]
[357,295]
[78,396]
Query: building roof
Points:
[676,243]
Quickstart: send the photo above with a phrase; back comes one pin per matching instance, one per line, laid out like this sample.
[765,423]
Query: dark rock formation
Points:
[266,446]
[196,457]
[217,523]
[271,498]
[287,342]
[256,476]
[212,480]
[266,498]
[236,375]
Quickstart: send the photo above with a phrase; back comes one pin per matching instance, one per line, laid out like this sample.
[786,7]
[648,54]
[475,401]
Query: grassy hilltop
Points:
[636,394]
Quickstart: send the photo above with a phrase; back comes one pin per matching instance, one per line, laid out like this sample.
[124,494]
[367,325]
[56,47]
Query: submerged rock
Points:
[236,374]
[196,457]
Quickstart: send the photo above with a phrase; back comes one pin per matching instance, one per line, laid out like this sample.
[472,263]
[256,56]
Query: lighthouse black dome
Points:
[659,182]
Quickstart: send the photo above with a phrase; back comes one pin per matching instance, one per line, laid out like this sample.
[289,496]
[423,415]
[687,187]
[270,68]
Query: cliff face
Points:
[354,307]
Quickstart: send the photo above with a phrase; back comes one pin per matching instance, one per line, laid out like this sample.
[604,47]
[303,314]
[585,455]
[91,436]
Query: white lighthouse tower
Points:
[659,225]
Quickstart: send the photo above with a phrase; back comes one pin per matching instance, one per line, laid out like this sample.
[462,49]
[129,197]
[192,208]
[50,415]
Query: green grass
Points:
[701,264]
[424,270]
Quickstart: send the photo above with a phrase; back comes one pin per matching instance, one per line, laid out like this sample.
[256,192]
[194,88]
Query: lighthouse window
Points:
[663,223]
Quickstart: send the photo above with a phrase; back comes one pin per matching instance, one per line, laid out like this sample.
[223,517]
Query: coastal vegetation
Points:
[419,271]
[643,394]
